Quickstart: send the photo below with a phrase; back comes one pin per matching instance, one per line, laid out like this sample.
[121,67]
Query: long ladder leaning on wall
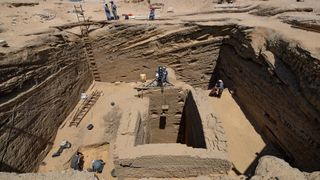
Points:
[87,44]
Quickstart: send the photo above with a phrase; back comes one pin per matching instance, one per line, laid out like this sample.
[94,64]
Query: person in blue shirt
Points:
[107,10]
[217,89]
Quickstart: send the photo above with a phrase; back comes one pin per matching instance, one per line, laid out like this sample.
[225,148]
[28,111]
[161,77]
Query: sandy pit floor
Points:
[245,145]
[98,142]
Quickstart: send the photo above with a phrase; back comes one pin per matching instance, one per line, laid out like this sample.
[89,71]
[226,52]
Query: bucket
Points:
[83,96]
[143,77]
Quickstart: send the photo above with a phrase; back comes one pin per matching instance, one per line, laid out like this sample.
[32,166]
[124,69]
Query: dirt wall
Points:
[165,128]
[191,130]
[277,83]
[125,51]
[39,87]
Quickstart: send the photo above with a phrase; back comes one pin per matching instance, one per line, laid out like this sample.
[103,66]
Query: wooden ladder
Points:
[87,44]
[81,19]
[85,108]
[90,59]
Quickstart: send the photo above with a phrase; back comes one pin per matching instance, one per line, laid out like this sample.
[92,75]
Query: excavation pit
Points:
[271,80]
[177,143]
[174,118]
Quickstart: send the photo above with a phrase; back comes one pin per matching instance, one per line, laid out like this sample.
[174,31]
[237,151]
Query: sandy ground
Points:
[98,142]
[18,23]
[307,39]
[245,145]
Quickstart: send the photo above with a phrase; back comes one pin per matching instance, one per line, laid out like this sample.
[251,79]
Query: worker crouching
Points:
[217,89]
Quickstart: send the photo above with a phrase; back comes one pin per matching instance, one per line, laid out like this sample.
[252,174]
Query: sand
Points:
[244,143]
[98,142]
[18,24]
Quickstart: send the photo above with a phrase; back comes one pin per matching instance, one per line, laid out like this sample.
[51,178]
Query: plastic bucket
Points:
[143,77]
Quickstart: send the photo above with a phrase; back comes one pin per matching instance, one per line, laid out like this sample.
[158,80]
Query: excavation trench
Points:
[173,118]
[41,85]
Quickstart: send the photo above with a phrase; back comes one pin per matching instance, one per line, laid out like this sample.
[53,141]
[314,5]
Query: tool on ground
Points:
[113,173]
[90,126]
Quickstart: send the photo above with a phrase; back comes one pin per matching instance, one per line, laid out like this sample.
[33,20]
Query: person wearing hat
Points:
[114,10]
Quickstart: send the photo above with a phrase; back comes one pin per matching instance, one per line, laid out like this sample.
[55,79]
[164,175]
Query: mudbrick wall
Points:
[39,86]
[277,82]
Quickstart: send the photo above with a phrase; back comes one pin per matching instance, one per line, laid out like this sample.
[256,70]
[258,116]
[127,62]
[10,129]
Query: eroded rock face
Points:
[270,167]
[278,83]
[125,51]
[39,87]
